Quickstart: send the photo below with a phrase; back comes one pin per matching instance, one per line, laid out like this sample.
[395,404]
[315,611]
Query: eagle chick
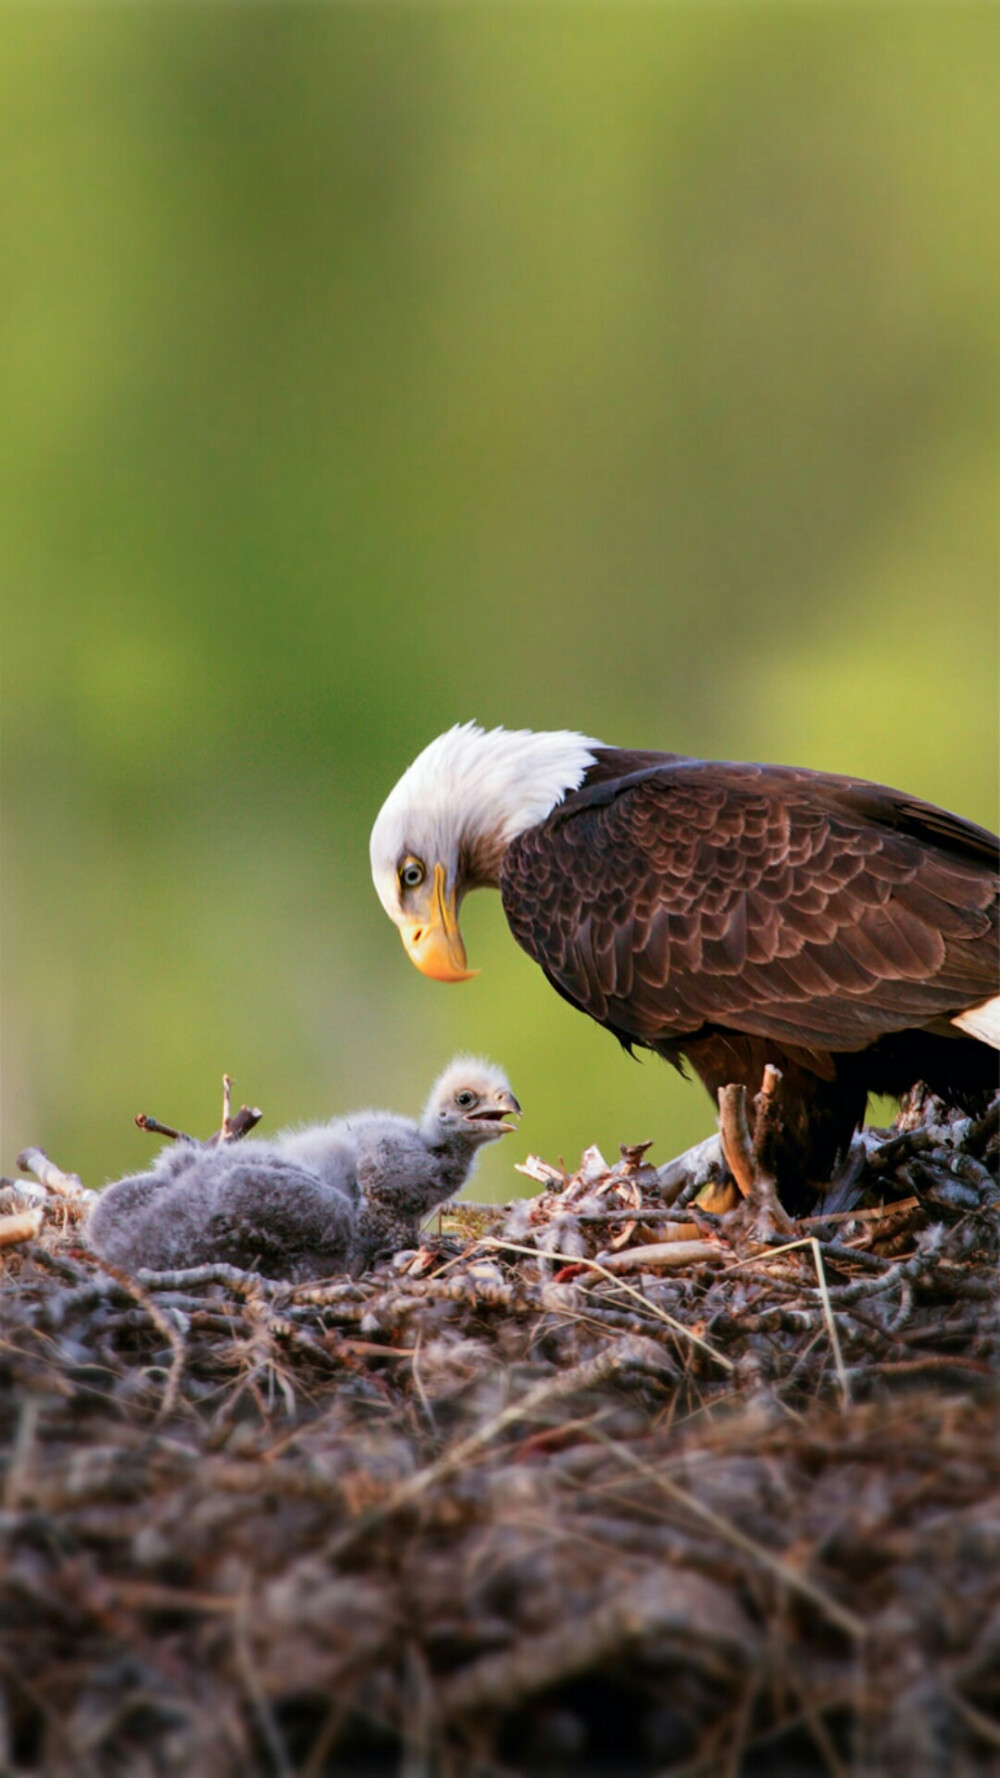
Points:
[327,1198]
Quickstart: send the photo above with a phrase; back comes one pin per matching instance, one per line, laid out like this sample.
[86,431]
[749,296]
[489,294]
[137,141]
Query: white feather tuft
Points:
[467,1071]
[982,1021]
[472,785]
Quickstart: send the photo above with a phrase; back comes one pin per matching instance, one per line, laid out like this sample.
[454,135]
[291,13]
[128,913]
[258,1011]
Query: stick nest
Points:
[539,1498]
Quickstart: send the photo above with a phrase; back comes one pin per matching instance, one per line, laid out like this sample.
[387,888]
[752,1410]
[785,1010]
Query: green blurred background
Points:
[368,368]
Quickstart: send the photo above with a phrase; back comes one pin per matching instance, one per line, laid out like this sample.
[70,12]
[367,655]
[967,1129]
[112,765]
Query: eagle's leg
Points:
[810,1117]
[761,1214]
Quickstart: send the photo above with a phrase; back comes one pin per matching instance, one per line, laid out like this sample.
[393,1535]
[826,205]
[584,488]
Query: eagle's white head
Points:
[445,827]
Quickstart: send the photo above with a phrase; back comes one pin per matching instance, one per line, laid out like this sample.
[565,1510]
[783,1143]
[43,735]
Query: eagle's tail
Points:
[982,1021]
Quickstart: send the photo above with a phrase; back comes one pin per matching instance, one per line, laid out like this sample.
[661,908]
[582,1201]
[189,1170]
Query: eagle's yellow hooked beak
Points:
[432,938]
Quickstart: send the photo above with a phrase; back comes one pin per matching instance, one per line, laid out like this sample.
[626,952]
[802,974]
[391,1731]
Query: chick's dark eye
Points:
[411,874]
[465,1100]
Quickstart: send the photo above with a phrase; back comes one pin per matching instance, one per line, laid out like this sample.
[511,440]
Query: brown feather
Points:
[744,914]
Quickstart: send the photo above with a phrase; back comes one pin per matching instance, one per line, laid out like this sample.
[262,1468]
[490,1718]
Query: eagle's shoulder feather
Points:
[668,895]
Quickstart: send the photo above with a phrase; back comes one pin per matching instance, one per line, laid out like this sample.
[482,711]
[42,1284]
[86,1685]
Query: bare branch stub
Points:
[633,1155]
[737,1148]
[233,1128]
[36,1161]
[238,1127]
[25,1225]
[743,1156]
[767,1116]
[245,1120]
[155,1128]
[226,1132]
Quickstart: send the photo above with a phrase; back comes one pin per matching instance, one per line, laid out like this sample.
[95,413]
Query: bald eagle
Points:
[730,915]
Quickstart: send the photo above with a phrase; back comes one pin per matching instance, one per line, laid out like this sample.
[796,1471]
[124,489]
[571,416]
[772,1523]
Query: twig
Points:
[910,1367]
[984,1726]
[685,1607]
[65,1185]
[593,1265]
[790,1577]
[878,1213]
[650,1215]
[854,1256]
[26,1225]
[266,1721]
[155,1128]
[767,1116]
[886,1157]
[660,1253]
[54,1262]
[19,1465]
[245,1120]
[845,1393]
[151,1595]
[163,1324]
[628,1354]
[234,1128]
[418,1381]
[186,1277]
[735,1131]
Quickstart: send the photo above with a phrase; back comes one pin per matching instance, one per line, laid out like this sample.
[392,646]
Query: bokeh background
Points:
[368,368]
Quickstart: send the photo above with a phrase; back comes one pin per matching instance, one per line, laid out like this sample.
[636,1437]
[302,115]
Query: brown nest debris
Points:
[613,1482]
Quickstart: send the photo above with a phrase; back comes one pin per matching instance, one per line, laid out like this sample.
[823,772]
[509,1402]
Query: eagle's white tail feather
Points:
[982,1021]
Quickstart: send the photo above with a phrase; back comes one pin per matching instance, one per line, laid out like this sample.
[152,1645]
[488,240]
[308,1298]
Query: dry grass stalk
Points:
[790,1577]
[603,1271]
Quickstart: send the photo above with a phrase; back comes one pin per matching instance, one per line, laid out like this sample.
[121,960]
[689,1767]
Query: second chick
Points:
[326,1198]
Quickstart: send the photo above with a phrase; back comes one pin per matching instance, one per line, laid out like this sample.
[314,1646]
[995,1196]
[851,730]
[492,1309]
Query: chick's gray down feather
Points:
[243,1204]
[312,1202]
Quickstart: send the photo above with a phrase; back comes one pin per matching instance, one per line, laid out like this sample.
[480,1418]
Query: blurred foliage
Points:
[368,368]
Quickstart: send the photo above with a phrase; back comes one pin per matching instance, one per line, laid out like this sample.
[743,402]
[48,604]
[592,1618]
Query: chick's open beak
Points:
[502,1104]
[432,938]
[506,1103]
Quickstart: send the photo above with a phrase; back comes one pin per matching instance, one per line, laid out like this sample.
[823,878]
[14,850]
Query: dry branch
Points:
[232,1128]
[661,1254]
[23,1227]
[65,1185]
[735,1132]
[686,1606]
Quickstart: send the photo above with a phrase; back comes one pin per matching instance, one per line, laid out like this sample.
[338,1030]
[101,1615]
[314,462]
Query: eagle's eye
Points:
[411,873]
[465,1099]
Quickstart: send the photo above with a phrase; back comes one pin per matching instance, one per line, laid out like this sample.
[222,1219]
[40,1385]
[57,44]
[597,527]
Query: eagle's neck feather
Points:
[491,786]
[504,782]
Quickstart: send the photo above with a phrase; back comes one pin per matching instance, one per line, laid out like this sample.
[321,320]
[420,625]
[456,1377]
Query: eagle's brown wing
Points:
[814,911]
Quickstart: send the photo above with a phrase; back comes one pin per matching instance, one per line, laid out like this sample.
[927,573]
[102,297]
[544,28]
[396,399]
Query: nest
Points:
[610,1482]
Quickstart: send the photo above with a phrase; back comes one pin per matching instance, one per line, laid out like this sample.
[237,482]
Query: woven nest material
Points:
[534,1499]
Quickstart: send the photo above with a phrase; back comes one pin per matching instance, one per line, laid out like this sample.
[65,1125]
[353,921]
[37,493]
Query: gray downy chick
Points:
[406,1170]
[241,1203]
[313,1201]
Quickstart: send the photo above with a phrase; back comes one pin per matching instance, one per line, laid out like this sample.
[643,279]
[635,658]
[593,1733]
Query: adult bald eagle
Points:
[734,915]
